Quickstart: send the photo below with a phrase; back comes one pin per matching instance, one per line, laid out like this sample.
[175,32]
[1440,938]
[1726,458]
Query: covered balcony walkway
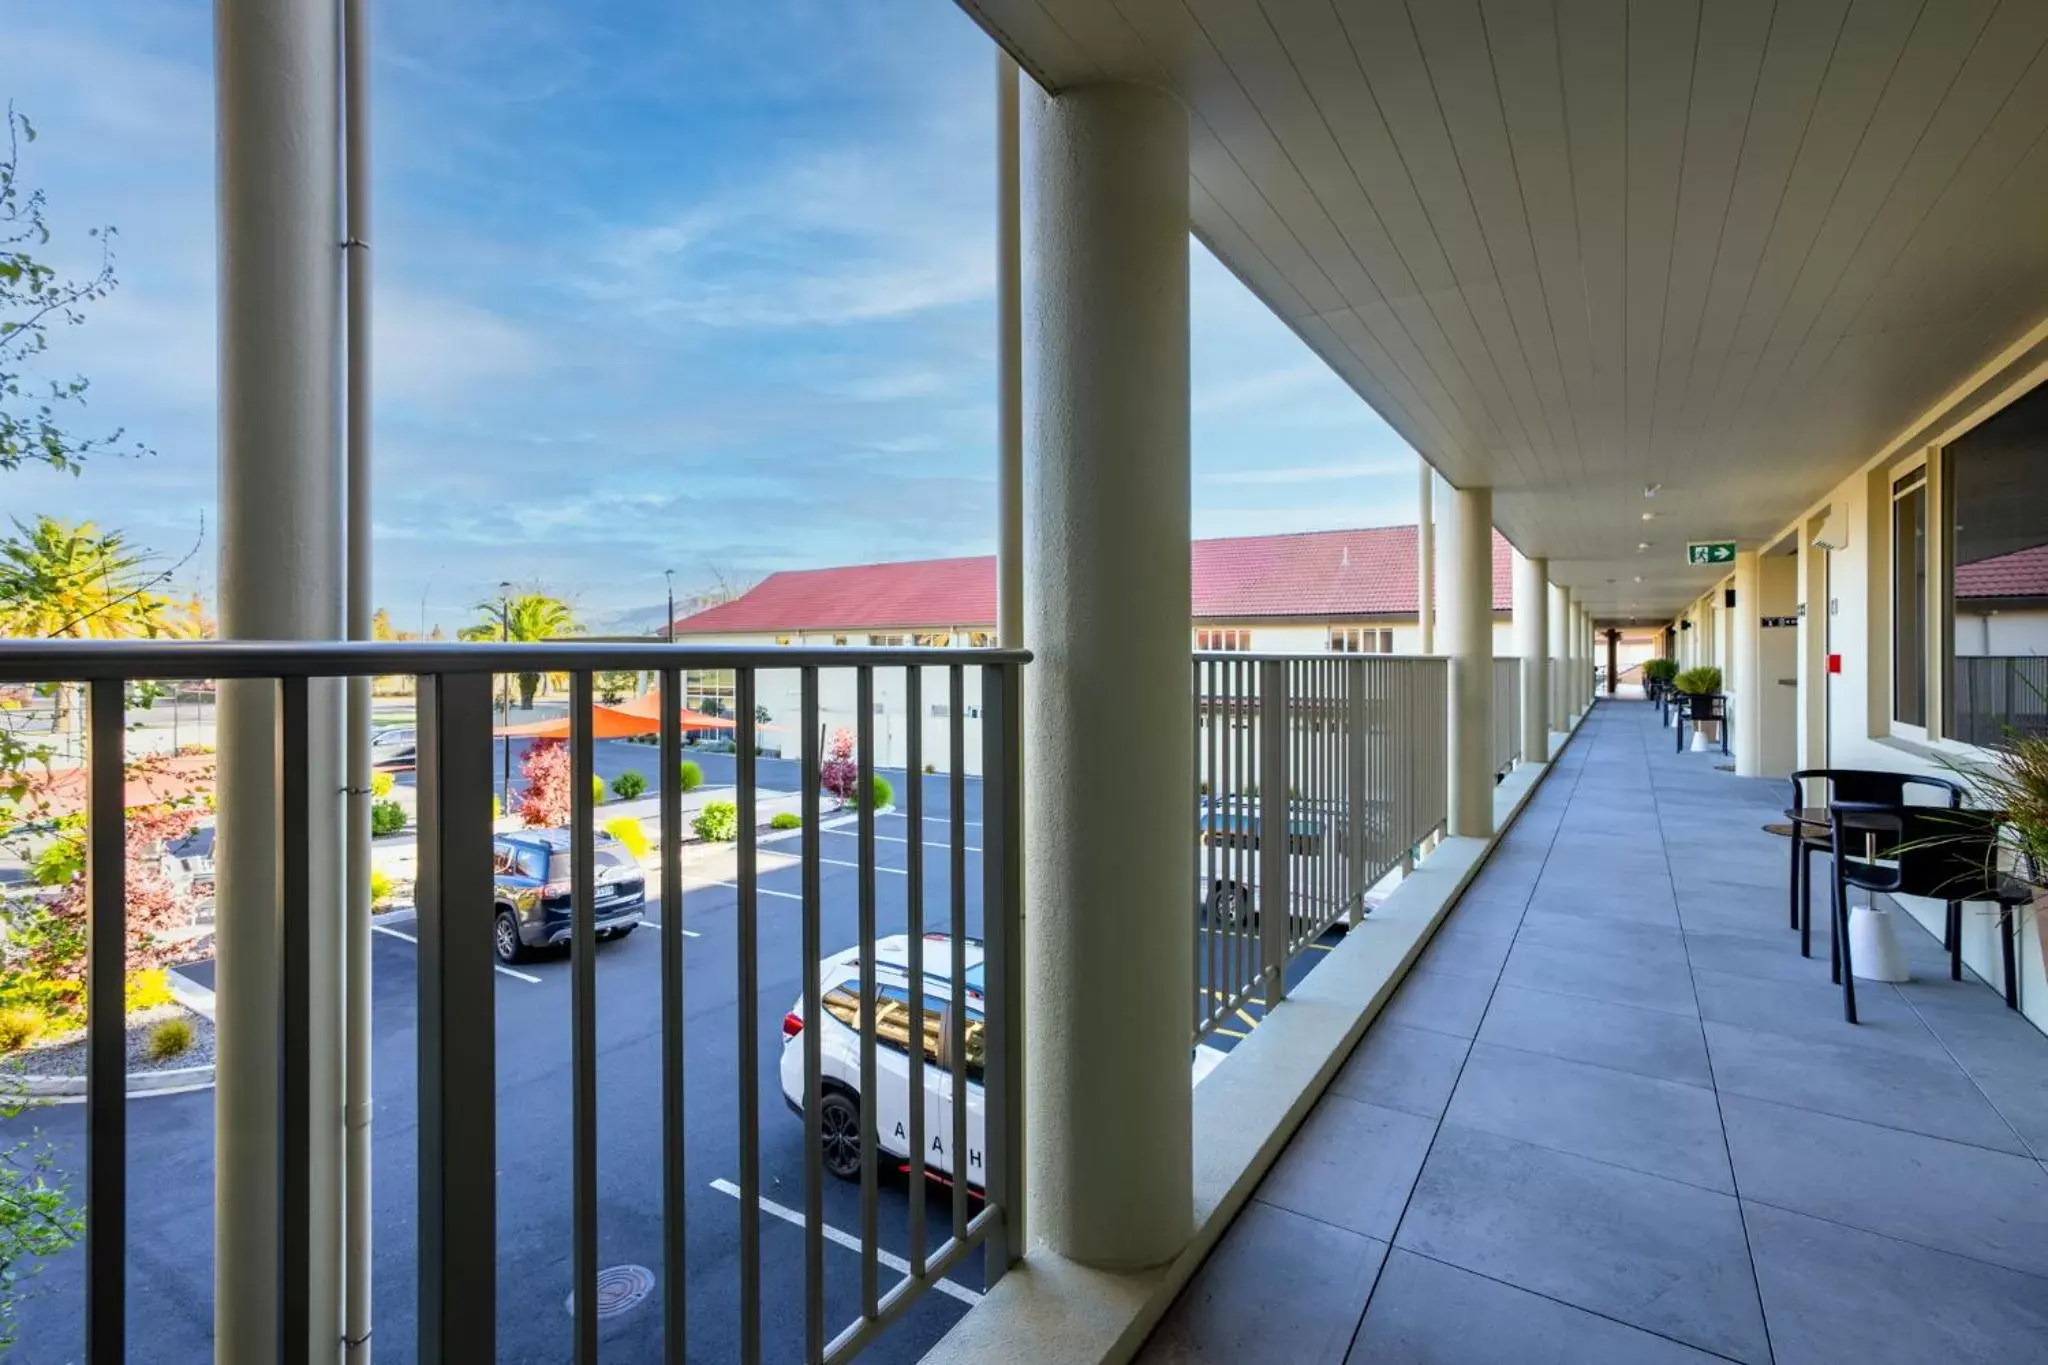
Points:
[1612,1115]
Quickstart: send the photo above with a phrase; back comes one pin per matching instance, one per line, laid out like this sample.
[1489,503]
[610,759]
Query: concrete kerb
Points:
[71,1089]
[1246,1111]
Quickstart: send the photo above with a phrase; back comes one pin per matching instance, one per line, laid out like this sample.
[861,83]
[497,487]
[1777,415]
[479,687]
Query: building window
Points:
[709,691]
[1349,639]
[1223,639]
[1996,483]
[888,641]
[782,639]
[981,639]
[934,641]
[1909,598]
[1386,642]
[839,640]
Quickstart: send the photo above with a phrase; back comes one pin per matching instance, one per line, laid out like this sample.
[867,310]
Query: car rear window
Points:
[605,860]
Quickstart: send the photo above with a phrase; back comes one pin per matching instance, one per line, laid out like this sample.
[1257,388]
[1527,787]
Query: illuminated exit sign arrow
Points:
[1711,552]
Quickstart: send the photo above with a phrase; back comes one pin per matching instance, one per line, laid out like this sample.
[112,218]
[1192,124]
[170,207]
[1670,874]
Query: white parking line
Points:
[890,838]
[763,890]
[503,970]
[852,1243]
[929,819]
[687,933]
[841,862]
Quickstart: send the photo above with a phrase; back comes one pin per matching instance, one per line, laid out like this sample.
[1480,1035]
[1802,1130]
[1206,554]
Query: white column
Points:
[1744,683]
[277,88]
[1813,680]
[1425,559]
[1468,639]
[1532,634]
[1560,626]
[1009,364]
[1109,762]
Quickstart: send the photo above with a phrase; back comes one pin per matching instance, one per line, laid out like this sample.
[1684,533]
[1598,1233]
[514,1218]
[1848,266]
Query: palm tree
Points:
[73,582]
[59,581]
[527,618]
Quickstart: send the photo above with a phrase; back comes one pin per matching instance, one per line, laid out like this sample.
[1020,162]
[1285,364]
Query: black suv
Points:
[533,873]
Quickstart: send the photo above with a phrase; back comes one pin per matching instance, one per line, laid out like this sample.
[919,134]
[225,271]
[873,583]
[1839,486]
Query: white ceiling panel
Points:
[1569,248]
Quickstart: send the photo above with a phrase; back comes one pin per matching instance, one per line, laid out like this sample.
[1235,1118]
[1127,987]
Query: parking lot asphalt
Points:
[171,1139]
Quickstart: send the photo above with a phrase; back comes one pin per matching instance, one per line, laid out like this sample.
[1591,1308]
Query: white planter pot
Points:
[1874,948]
[1700,743]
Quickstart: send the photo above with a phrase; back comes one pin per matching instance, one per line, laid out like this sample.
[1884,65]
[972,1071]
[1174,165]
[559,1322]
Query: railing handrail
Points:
[110,660]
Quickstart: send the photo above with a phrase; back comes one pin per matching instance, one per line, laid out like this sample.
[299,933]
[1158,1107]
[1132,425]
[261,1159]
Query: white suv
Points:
[839,1057]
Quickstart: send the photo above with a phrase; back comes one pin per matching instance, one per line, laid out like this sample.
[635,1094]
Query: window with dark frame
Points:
[1909,598]
[1995,580]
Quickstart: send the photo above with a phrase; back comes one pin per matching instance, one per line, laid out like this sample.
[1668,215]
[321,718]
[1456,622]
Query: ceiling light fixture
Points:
[1642,545]
[1639,578]
[1649,516]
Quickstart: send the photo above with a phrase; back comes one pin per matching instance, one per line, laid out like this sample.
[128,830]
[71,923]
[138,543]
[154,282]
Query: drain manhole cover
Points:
[620,1289]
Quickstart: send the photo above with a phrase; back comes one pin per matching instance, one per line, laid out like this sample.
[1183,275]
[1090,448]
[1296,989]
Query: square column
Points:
[1109,758]
[1532,636]
[1468,639]
[1560,655]
[1744,683]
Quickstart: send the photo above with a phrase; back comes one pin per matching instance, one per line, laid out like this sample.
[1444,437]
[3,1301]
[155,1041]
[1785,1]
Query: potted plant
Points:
[2015,780]
[1657,676]
[1699,687]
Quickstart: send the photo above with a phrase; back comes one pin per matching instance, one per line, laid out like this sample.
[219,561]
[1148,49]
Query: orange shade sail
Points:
[641,716]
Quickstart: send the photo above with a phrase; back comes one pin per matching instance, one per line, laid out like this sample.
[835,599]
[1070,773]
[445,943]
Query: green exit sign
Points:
[1711,552]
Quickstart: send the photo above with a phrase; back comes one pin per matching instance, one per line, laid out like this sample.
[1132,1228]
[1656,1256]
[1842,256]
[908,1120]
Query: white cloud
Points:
[1260,388]
[1317,473]
[890,388]
[430,349]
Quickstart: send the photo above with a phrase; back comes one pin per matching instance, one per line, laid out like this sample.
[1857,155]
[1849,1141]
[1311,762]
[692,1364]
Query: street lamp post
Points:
[505,699]
[670,575]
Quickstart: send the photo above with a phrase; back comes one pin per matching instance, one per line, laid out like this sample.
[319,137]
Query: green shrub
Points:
[692,776]
[497,809]
[1660,670]
[386,817]
[883,792]
[718,822]
[381,886]
[381,784]
[628,785]
[1704,681]
[787,819]
[60,860]
[171,1038]
[147,990]
[626,829]
[19,1027]
[596,790]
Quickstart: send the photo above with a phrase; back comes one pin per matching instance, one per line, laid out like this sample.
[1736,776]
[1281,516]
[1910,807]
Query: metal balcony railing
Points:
[457,1204]
[1346,756]
[1507,714]
[1998,697]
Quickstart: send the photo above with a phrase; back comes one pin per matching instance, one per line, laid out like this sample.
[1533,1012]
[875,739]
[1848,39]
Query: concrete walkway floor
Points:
[1613,1116]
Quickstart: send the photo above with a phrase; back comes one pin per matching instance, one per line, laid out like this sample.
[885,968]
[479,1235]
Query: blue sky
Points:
[659,286]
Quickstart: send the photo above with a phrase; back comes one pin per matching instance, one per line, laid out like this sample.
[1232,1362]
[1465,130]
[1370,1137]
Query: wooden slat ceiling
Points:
[1570,248]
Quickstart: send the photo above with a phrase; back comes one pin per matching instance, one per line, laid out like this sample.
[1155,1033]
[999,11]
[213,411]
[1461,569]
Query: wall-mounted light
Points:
[1642,545]
[1650,489]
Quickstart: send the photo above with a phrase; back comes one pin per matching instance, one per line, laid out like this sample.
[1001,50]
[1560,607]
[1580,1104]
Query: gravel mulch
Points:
[64,1055]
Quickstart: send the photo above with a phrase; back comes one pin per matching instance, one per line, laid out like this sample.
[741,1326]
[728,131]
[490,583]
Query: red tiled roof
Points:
[2023,573]
[1368,572]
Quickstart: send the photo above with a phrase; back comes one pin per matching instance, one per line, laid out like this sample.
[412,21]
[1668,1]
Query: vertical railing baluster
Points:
[913,810]
[956,1016]
[1249,900]
[1002,1002]
[1359,794]
[106,1026]
[294,1041]
[864,738]
[674,1296]
[748,1012]
[457,1030]
[1273,831]
[1218,705]
[1195,944]
[814,1014]
[583,1016]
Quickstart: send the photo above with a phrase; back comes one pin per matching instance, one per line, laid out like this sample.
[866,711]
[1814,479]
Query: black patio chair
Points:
[1934,851]
[1701,707]
[1811,832]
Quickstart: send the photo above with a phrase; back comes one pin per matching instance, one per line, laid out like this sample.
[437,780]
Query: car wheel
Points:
[1230,904]
[839,1134]
[505,938]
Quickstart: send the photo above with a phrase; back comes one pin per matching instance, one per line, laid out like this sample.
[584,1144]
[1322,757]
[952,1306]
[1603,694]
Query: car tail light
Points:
[554,890]
[792,1024]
